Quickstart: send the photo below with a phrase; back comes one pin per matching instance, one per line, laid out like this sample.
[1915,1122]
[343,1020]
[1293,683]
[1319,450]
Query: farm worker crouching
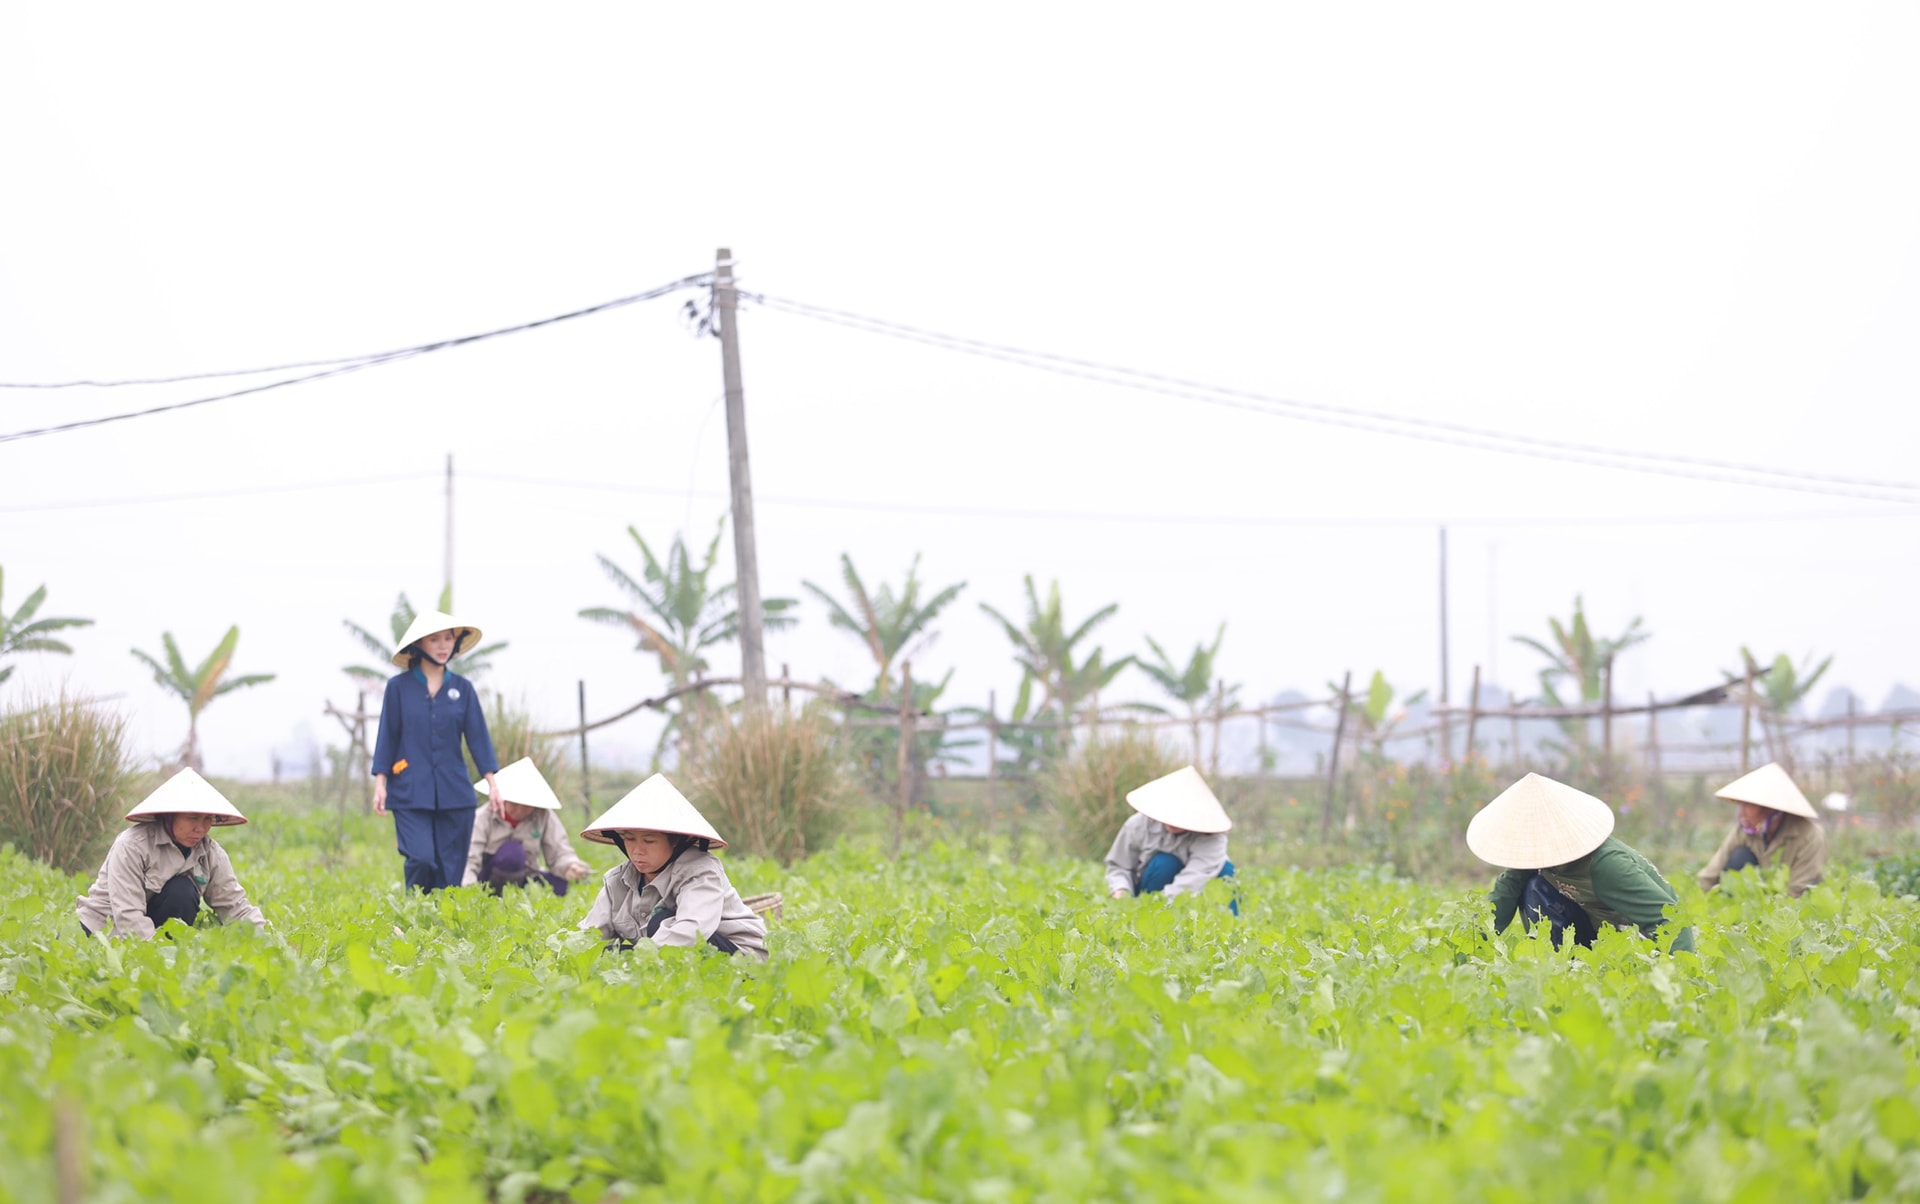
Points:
[500,852]
[1563,864]
[1776,826]
[671,889]
[1174,843]
[167,863]
[418,772]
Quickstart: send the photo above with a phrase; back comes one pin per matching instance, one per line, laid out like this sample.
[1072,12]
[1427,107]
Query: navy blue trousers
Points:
[1740,859]
[1542,900]
[434,844]
[1163,868]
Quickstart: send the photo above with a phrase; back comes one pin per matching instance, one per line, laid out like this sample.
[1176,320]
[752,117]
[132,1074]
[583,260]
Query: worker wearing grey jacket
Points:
[1175,842]
[671,889]
[167,864]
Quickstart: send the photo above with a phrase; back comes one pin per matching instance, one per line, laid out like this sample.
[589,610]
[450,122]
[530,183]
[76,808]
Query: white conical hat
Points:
[655,806]
[187,793]
[466,635]
[1181,800]
[521,782]
[1538,822]
[1770,787]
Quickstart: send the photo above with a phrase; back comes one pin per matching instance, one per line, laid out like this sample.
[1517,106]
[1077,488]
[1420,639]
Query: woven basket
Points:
[771,905]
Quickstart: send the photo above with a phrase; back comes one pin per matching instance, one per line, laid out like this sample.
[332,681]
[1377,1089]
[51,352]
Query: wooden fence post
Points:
[904,763]
[993,759]
[1513,733]
[1606,721]
[786,689]
[1219,718]
[1473,714]
[1658,780]
[1333,758]
[1746,720]
[1849,747]
[586,777]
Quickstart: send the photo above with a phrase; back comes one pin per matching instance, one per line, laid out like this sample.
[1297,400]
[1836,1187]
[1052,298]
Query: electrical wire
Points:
[371,356]
[1373,421]
[212,494]
[1211,520]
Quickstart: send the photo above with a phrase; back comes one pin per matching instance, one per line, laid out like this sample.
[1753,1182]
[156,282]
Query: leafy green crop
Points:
[947,1026]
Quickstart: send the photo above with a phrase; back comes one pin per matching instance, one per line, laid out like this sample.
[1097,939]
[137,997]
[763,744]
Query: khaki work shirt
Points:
[540,831]
[140,861]
[696,887]
[1205,854]
[1798,843]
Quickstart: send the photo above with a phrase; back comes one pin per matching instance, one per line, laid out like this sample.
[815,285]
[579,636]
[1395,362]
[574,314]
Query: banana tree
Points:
[1579,656]
[1778,690]
[1191,686]
[198,687]
[1048,653]
[676,615]
[891,625]
[471,663]
[1372,714]
[21,632]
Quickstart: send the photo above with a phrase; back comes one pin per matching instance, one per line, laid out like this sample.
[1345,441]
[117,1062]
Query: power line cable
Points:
[372,356]
[1378,422]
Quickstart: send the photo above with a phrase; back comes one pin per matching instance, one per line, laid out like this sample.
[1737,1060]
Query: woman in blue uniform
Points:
[418,773]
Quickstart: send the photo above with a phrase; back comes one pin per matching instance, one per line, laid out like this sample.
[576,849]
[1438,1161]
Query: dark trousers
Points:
[434,844]
[1163,868]
[507,866]
[1543,900]
[178,899]
[662,914]
[1741,858]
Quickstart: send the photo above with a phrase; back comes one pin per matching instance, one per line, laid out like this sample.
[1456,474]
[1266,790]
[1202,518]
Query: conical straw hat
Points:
[1538,822]
[654,806]
[187,793]
[1181,800]
[1770,787]
[521,782]
[467,636]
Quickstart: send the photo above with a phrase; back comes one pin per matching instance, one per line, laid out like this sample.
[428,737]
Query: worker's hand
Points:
[1122,894]
[380,795]
[493,798]
[578,872]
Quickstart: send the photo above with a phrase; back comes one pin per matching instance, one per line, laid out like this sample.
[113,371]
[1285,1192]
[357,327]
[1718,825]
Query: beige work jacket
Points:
[1205,854]
[541,831]
[1798,843]
[696,886]
[140,862]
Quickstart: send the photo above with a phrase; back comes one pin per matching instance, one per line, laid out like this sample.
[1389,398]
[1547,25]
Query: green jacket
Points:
[1615,884]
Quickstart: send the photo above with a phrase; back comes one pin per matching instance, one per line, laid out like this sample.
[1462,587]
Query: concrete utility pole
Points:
[753,656]
[446,568]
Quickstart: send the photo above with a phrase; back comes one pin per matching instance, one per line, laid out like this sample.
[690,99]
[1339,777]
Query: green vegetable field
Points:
[953,1026]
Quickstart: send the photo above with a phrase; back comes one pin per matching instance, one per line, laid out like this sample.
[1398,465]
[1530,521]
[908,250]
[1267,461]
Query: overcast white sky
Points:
[1680,230]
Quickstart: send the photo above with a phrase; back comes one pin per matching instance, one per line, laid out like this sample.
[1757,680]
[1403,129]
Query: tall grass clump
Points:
[66,779]
[516,734]
[774,784]
[1087,792]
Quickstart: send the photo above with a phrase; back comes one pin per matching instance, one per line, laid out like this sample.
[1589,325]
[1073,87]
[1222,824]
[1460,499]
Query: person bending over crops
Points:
[1776,826]
[1563,865]
[1174,843]
[418,773]
[500,852]
[165,865]
[671,889]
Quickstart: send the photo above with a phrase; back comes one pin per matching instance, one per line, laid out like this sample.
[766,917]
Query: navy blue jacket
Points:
[425,732]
